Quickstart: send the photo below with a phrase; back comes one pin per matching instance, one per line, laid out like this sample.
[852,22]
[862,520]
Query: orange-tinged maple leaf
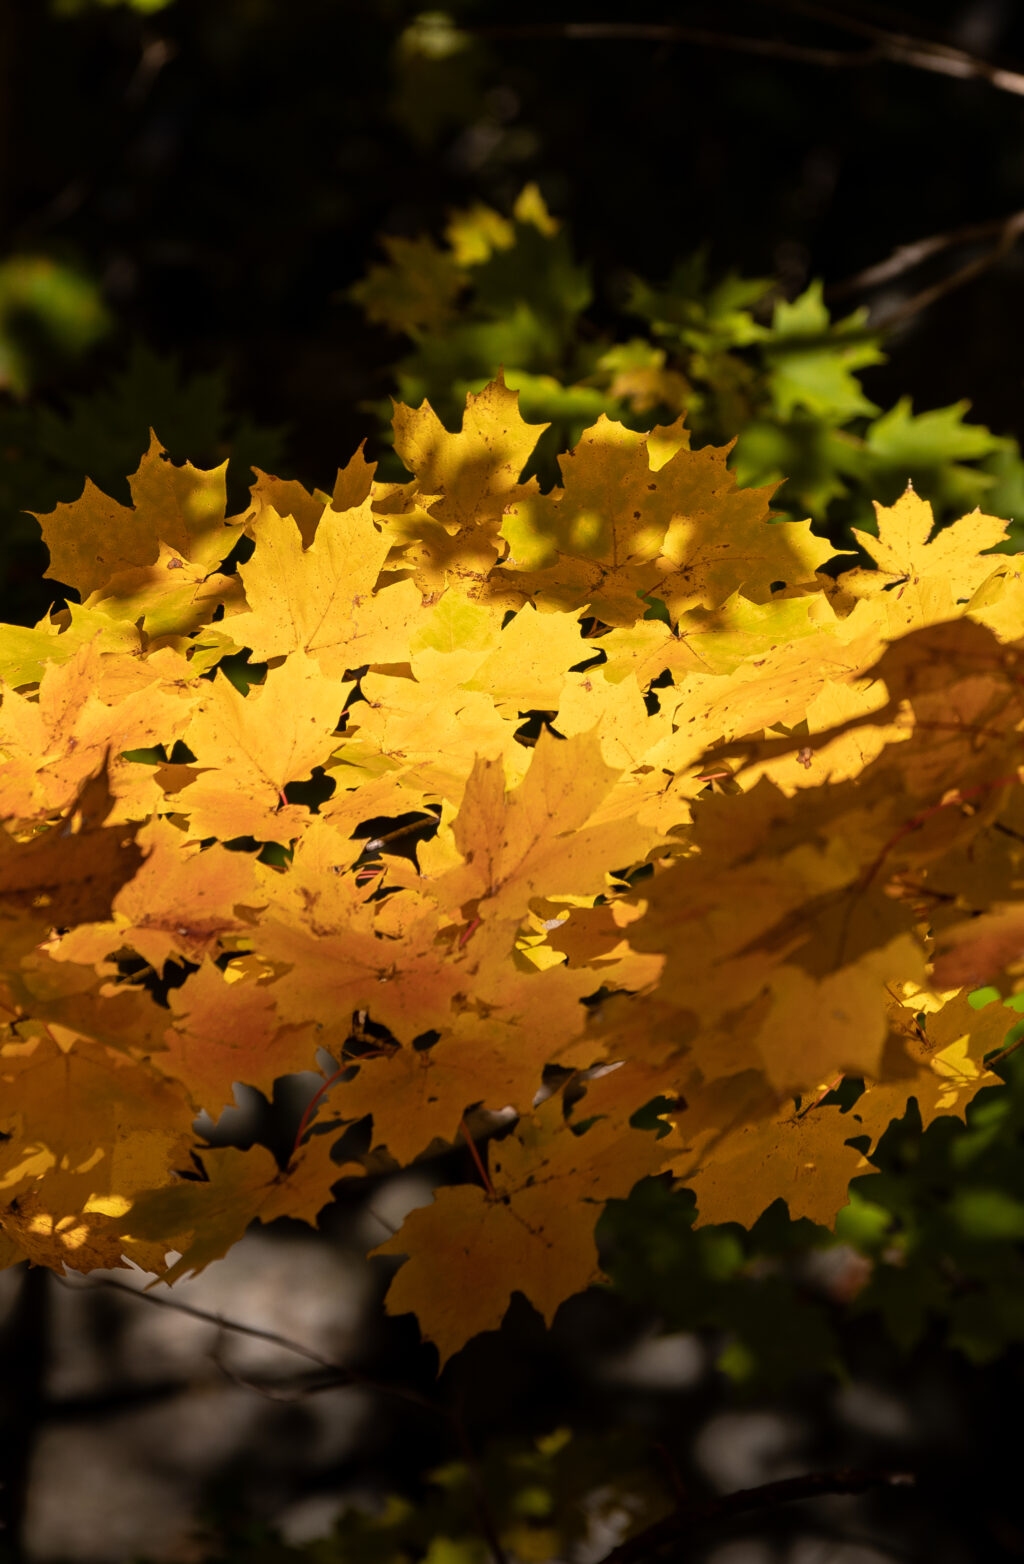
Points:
[71,876]
[470,1250]
[820,1028]
[384,958]
[96,1111]
[52,745]
[179,904]
[981,949]
[203,1219]
[227,1031]
[801,1159]
[40,1232]
[502,1029]
[76,1000]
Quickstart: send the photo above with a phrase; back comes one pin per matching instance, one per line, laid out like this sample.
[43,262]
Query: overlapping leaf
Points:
[738,851]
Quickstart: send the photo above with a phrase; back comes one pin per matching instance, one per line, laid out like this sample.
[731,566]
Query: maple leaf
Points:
[321,600]
[73,874]
[982,949]
[85,1239]
[102,1119]
[225,1031]
[178,905]
[55,742]
[623,526]
[942,1064]
[252,745]
[503,1027]
[346,953]
[286,497]
[470,1249]
[799,1158]
[469,477]
[545,837]
[902,551]
[203,1219]
[95,537]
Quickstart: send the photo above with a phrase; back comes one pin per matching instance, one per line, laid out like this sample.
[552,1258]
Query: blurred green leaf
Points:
[50,312]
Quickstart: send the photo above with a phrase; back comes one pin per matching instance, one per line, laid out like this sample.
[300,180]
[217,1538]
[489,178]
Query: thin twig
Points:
[344,1376]
[668,1532]
[673,32]
[1012,230]
[1004,1053]
[374,842]
[201,1314]
[899,48]
[908,256]
[889,47]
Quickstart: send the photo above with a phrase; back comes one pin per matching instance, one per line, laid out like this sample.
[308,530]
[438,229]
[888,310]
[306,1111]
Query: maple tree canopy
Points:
[698,825]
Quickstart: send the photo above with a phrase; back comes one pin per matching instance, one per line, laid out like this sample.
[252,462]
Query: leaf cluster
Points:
[703,831]
[780,377]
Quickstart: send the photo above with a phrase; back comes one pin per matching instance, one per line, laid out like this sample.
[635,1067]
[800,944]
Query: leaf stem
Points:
[475,1154]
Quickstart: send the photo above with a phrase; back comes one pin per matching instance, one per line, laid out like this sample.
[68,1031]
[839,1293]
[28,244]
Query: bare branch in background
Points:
[341,1374]
[670,32]
[1009,232]
[886,46]
[907,256]
[676,1527]
[924,54]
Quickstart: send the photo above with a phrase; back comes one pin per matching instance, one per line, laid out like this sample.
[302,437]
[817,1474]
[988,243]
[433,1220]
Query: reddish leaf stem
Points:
[322,1090]
[475,1154]
[817,1101]
[960,796]
[311,1104]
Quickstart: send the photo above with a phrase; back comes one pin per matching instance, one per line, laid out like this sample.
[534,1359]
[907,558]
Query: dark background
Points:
[220,172]
[223,172]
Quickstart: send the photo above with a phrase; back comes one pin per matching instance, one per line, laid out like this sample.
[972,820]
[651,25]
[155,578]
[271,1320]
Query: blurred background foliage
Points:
[249,225]
[731,353]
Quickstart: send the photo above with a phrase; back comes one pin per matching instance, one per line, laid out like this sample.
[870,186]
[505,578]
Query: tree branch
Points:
[899,48]
[343,1375]
[1012,229]
[671,32]
[788,1490]
[886,46]
[908,256]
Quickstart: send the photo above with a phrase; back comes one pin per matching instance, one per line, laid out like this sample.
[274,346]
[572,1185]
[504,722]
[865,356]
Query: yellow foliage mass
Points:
[722,852]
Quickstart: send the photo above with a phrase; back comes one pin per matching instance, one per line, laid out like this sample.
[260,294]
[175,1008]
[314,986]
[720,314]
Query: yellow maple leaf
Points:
[94,537]
[546,837]
[902,551]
